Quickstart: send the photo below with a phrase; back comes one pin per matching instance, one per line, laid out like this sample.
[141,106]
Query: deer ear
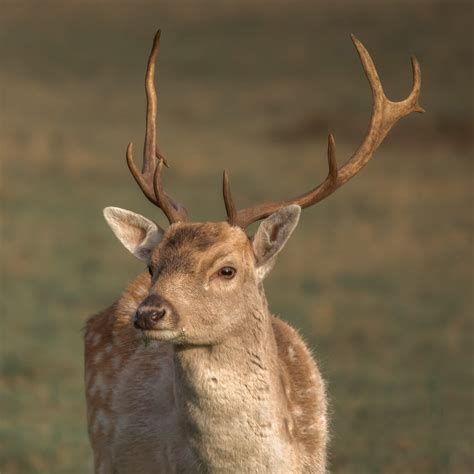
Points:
[272,235]
[138,234]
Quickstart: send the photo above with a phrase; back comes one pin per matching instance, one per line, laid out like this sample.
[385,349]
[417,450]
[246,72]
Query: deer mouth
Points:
[165,335]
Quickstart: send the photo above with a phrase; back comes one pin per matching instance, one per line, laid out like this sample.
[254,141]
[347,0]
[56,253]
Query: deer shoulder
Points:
[305,393]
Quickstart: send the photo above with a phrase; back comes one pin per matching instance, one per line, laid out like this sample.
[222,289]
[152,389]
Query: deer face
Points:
[205,277]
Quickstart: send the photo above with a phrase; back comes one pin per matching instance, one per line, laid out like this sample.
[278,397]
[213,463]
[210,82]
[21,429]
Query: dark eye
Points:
[150,270]
[227,272]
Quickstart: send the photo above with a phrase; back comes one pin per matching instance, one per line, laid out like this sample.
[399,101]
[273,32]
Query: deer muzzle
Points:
[152,312]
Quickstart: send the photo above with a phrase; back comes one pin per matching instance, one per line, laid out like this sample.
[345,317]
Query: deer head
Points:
[206,277]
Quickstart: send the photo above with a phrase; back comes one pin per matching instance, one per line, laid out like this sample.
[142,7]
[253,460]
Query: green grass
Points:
[378,278]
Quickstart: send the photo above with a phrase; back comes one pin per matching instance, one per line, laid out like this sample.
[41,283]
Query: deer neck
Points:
[230,400]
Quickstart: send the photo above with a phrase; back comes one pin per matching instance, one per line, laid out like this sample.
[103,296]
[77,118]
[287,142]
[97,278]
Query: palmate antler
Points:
[385,114]
[149,180]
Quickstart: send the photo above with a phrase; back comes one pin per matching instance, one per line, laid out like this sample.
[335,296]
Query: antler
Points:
[385,114]
[149,180]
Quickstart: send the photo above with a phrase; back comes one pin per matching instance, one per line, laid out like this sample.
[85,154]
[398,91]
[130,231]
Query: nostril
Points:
[157,314]
[147,318]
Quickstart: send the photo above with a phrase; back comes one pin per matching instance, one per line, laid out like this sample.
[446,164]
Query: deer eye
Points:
[227,272]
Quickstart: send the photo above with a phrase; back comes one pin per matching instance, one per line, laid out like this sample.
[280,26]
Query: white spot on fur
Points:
[108,348]
[297,411]
[98,357]
[99,387]
[261,272]
[95,339]
[102,422]
[291,353]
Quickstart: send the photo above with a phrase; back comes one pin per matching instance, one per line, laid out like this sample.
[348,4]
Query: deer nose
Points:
[147,317]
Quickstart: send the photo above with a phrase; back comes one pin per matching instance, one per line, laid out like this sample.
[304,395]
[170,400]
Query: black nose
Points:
[149,313]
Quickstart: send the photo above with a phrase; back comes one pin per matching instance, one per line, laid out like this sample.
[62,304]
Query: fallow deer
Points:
[188,371]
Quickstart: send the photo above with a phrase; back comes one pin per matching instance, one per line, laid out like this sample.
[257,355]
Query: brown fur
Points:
[304,387]
[184,246]
[137,394]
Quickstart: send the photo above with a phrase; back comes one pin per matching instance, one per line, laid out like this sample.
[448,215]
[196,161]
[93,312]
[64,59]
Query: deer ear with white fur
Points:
[138,234]
[272,235]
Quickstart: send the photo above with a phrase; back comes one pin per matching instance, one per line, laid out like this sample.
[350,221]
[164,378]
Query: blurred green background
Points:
[378,278]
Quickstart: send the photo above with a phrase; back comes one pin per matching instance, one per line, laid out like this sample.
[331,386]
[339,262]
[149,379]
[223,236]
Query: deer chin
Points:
[175,336]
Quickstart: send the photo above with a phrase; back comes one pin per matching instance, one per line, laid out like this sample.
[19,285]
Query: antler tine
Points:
[149,179]
[163,200]
[385,114]
[149,149]
[228,200]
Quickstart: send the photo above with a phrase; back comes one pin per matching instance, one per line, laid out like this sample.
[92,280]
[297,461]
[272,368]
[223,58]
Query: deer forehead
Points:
[187,246]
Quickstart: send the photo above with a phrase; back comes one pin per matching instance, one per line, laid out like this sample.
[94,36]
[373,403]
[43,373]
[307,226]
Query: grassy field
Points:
[378,278]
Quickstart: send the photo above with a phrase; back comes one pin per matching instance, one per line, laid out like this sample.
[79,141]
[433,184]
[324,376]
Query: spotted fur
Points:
[252,400]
